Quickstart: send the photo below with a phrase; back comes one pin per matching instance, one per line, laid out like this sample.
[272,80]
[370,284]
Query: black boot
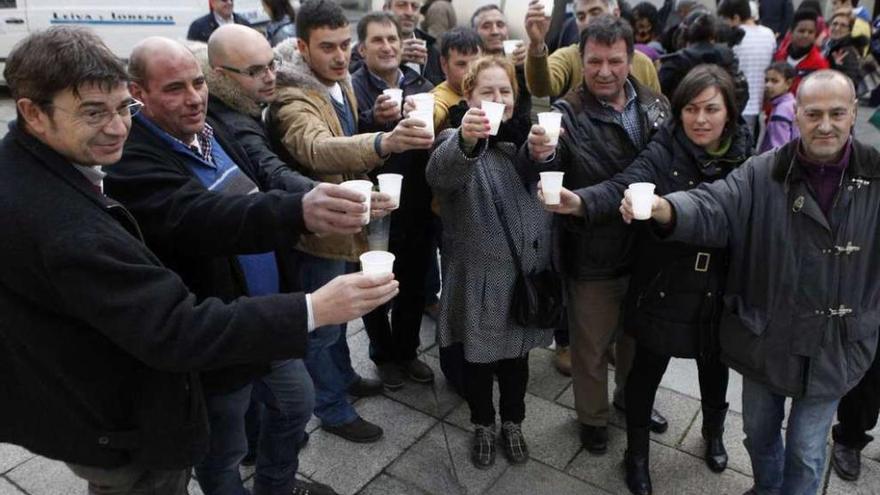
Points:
[713,434]
[635,461]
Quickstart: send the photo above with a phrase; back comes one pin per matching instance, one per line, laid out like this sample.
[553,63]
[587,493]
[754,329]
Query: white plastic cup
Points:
[548,8]
[552,123]
[424,102]
[395,94]
[390,184]
[424,116]
[494,112]
[377,263]
[364,187]
[641,194]
[551,186]
[510,46]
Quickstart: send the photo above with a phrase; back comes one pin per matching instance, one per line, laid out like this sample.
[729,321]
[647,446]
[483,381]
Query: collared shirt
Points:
[201,143]
[221,21]
[382,84]
[93,174]
[629,118]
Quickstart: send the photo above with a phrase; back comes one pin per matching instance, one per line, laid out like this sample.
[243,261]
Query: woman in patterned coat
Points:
[469,171]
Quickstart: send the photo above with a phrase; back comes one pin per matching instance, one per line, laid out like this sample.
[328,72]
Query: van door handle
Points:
[14,20]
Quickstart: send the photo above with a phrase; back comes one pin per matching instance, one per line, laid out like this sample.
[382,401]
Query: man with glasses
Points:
[221,14]
[215,215]
[101,343]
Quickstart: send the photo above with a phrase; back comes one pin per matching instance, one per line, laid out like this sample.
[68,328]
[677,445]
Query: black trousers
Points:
[397,341]
[644,379]
[858,410]
[513,376]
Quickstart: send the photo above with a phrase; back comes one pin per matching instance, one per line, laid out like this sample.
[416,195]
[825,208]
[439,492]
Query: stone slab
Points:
[348,466]
[436,400]
[673,472]
[41,476]
[867,484]
[535,477]
[544,380]
[439,463]
[7,488]
[11,456]
[388,485]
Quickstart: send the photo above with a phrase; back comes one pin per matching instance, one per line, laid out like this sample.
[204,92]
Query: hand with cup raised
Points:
[385,110]
[333,209]
[661,210]
[569,202]
[474,126]
[539,148]
[408,134]
[519,55]
[415,51]
[537,26]
[348,297]
[381,205]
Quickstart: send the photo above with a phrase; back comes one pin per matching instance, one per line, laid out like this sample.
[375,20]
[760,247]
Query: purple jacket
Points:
[780,124]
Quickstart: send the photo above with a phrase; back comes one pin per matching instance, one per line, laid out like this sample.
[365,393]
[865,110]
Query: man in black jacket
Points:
[220,15]
[197,194]
[99,341]
[394,346]
[608,121]
[419,49]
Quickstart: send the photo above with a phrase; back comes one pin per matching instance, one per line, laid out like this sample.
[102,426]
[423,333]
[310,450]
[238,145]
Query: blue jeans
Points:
[795,469]
[327,356]
[288,396]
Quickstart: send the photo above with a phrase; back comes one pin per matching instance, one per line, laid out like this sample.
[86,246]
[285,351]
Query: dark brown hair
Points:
[696,81]
[48,62]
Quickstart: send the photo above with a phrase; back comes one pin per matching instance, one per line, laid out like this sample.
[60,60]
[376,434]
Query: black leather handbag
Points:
[538,296]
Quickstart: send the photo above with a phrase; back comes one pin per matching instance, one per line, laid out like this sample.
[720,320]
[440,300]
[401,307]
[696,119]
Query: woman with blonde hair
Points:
[493,229]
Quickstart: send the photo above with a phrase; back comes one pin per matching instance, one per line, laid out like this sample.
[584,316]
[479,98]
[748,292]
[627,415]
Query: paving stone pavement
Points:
[425,448]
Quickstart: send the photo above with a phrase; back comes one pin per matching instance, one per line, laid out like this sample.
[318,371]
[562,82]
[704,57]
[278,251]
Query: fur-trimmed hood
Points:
[294,72]
[223,88]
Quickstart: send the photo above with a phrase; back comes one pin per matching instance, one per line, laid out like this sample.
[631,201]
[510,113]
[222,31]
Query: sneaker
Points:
[483,448]
[391,375]
[365,387]
[303,487]
[418,371]
[513,442]
[358,431]
[562,360]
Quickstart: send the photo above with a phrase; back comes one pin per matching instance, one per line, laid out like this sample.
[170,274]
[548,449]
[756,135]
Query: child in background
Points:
[780,126]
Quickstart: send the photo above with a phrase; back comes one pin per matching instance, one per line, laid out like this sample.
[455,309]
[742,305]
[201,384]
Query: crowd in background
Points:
[196,235]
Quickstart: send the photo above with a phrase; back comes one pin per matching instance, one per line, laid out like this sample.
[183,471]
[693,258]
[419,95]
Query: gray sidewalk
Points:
[425,448]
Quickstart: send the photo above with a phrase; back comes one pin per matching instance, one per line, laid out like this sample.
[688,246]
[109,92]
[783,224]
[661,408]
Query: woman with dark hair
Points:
[646,25]
[673,304]
[281,20]
[699,38]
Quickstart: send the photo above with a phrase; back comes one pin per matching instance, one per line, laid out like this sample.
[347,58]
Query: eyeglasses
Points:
[256,71]
[100,117]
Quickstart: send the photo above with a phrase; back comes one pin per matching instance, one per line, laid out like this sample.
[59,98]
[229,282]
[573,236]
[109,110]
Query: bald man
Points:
[224,214]
[801,318]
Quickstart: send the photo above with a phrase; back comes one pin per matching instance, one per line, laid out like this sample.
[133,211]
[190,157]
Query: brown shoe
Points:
[562,360]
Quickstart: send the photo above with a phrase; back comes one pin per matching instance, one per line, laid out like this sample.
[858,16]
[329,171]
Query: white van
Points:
[121,23]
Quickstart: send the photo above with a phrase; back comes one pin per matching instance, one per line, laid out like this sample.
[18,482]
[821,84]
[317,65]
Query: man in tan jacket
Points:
[313,123]
[562,71]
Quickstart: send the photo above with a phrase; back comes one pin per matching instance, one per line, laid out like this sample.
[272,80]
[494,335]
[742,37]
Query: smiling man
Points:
[101,342]
[221,14]
[801,317]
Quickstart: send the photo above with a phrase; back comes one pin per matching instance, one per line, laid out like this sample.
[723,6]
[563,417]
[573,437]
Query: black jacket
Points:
[202,28]
[674,299]
[852,62]
[593,149]
[674,66]
[98,340]
[198,233]
[415,197]
[801,313]
[432,71]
